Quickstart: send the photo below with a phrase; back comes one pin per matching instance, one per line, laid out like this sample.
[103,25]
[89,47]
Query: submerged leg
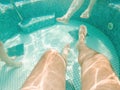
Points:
[49,73]
[8,60]
[84,51]
[87,12]
[96,71]
[76,4]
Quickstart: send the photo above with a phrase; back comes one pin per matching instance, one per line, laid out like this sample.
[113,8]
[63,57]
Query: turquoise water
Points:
[55,36]
[38,31]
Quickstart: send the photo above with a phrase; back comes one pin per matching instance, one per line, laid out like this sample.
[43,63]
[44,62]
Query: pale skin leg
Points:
[96,71]
[75,5]
[49,73]
[87,12]
[81,46]
[8,60]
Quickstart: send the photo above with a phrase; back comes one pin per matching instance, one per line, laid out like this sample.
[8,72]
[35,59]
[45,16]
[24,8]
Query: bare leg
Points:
[82,48]
[76,4]
[49,73]
[8,60]
[87,12]
[96,71]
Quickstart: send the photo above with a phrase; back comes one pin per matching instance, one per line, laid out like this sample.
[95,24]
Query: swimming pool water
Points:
[55,36]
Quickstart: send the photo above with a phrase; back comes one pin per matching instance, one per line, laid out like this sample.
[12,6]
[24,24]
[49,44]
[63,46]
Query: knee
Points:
[51,52]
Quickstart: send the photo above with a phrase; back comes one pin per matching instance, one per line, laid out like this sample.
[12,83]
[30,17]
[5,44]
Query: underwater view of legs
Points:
[75,5]
[49,73]
[87,12]
[96,70]
[34,54]
[8,60]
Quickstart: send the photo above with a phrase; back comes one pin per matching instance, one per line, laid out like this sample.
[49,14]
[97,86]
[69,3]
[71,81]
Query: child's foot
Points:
[62,20]
[85,14]
[14,64]
[10,62]
[18,64]
[12,58]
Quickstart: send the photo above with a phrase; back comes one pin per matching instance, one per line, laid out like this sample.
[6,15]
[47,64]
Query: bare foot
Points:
[85,14]
[83,31]
[12,58]
[10,62]
[82,35]
[62,20]
[18,64]
[65,51]
[14,64]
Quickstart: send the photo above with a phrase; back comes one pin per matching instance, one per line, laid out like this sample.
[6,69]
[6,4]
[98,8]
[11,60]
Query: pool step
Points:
[36,23]
[16,50]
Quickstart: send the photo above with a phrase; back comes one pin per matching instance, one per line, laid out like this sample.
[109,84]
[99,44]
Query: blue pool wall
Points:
[103,13]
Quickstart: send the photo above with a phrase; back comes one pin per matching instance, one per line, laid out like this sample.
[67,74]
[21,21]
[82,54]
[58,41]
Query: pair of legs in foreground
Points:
[49,73]
[75,5]
[8,60]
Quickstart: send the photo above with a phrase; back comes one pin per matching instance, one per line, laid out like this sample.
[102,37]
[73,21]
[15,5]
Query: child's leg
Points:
[3,54]
[87,12]
[76,4]
[5,58]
